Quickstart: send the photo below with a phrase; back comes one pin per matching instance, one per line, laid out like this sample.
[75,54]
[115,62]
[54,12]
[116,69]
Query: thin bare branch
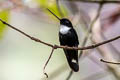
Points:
[69,76]
[47,62]
[56,72]
[112,68]
[32,38]
[110,62]
[57,46]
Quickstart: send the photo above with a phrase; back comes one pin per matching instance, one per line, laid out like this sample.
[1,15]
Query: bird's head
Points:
[65,22]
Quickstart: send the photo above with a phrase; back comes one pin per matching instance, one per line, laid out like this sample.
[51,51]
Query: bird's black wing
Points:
[70,39]
[74,36]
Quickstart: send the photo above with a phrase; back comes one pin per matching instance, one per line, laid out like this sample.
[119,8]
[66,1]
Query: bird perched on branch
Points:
[68,37]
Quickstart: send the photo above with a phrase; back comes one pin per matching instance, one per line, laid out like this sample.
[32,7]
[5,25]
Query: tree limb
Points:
[57,46]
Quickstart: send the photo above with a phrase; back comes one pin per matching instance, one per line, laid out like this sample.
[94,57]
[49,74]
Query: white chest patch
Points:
[64,29]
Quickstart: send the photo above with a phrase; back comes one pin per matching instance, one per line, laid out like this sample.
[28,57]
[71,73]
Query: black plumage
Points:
[70,39]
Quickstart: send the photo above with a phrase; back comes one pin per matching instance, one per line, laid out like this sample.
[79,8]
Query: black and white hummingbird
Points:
[68,37]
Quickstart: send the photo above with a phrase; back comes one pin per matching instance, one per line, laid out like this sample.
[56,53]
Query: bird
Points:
[68,37]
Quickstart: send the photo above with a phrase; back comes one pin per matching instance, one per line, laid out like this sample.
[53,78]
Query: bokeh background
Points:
[24,59]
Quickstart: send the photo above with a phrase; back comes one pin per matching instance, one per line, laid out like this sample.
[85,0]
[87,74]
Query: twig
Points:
[109,62]
[112,68]
[32,38]
[70,74]
[47,62]
[56,72]
[57,46]
[111,46]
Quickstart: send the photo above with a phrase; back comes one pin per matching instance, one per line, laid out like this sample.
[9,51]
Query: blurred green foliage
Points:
[4,16]
[51,4]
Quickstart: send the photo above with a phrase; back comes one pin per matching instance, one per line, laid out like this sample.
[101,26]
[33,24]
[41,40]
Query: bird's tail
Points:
[72,58]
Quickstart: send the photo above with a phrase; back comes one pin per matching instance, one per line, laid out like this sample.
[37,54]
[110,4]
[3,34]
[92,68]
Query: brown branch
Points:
[48,61]
[96,1]
[109,62]
[56,72]
[57,46]
[32,38]
[69,75]
[111,68]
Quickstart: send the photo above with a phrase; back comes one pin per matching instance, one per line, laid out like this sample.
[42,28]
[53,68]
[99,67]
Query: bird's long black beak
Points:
[54,14]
